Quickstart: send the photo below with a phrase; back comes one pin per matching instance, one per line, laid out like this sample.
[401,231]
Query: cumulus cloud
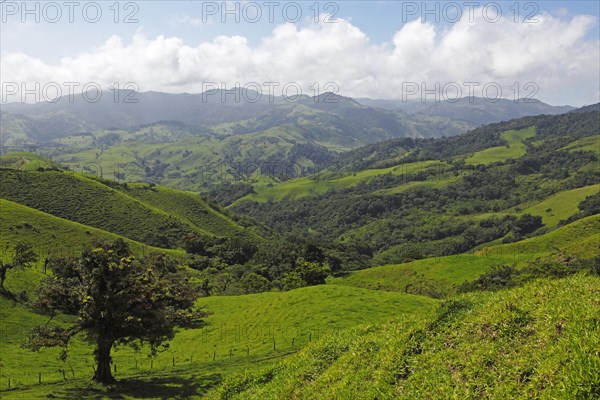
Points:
[554,53]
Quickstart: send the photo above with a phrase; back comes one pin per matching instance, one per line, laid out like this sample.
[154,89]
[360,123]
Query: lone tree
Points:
[24,256]
[118,299]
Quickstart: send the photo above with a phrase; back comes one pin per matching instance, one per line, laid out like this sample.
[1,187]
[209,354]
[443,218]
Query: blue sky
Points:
[38,51]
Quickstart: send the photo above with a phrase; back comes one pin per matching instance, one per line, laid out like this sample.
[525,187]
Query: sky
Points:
[406,50]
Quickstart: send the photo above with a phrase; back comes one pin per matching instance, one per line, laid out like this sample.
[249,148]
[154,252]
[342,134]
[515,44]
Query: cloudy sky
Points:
[548,50]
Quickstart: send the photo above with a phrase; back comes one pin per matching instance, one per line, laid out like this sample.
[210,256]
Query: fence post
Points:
[40,377]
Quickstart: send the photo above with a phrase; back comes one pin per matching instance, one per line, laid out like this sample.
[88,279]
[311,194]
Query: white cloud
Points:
[186,20]
[552,53]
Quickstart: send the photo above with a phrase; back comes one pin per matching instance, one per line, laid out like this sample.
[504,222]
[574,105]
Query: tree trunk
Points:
[102,353]
[3,269]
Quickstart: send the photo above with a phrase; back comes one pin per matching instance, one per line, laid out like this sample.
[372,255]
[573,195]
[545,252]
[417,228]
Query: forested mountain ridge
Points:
[408,199]
[195,142]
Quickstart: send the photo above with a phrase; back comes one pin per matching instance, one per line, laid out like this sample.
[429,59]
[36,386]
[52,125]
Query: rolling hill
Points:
[195,141]
[440,276]
[243,331]
[153,215]
[537,341]
[435,216]
[408,199]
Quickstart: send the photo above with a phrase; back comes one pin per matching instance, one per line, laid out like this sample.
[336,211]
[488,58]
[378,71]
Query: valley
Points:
[373,262]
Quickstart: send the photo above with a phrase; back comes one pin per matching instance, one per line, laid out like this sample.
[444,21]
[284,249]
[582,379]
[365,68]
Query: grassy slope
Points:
[538,341]
[94,203]
[590,143]
[26,161]
[53,235]
[239,324]
[309,186]
[513,149]
[441,274]
[562,205]
[188,206]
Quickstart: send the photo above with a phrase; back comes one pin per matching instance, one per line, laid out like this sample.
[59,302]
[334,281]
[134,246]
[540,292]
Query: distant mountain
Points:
[480,111]
[386,104]
[123,109]
[584,109]
[189,140]
[364,121]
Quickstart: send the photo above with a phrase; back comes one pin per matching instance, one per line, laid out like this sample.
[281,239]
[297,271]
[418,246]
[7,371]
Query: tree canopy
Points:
[119,300]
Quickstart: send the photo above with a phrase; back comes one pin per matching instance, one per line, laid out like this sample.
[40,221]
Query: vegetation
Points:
[460,267]
[118,300]
[443,196]
[112,207]
[23,257]
[538,341]
[441,276]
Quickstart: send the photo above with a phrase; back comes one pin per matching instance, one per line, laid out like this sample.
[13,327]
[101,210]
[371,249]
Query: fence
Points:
[212,344]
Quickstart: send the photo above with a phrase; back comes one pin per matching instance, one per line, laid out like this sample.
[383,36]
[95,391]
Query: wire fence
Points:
[212,344]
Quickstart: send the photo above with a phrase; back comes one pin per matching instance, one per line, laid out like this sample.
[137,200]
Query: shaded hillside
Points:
[161,218]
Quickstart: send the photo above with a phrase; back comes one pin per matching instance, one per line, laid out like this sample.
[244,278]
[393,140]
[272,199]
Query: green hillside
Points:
[321,183]
[538,341]
[439,276]
[325,275]
[50,235]
[188,207]
[514,148]
[26,162]
[111,207]
[409,199]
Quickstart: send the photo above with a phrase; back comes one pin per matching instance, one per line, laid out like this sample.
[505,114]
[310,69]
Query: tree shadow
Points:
[7,294]
[150,387]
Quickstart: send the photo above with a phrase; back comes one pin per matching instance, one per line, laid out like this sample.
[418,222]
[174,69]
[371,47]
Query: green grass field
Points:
[26,162]
[50,235]
[561,205]
[514,148]
[538,341]
[323,182]
[242,330]
[590,143]
[555,208]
